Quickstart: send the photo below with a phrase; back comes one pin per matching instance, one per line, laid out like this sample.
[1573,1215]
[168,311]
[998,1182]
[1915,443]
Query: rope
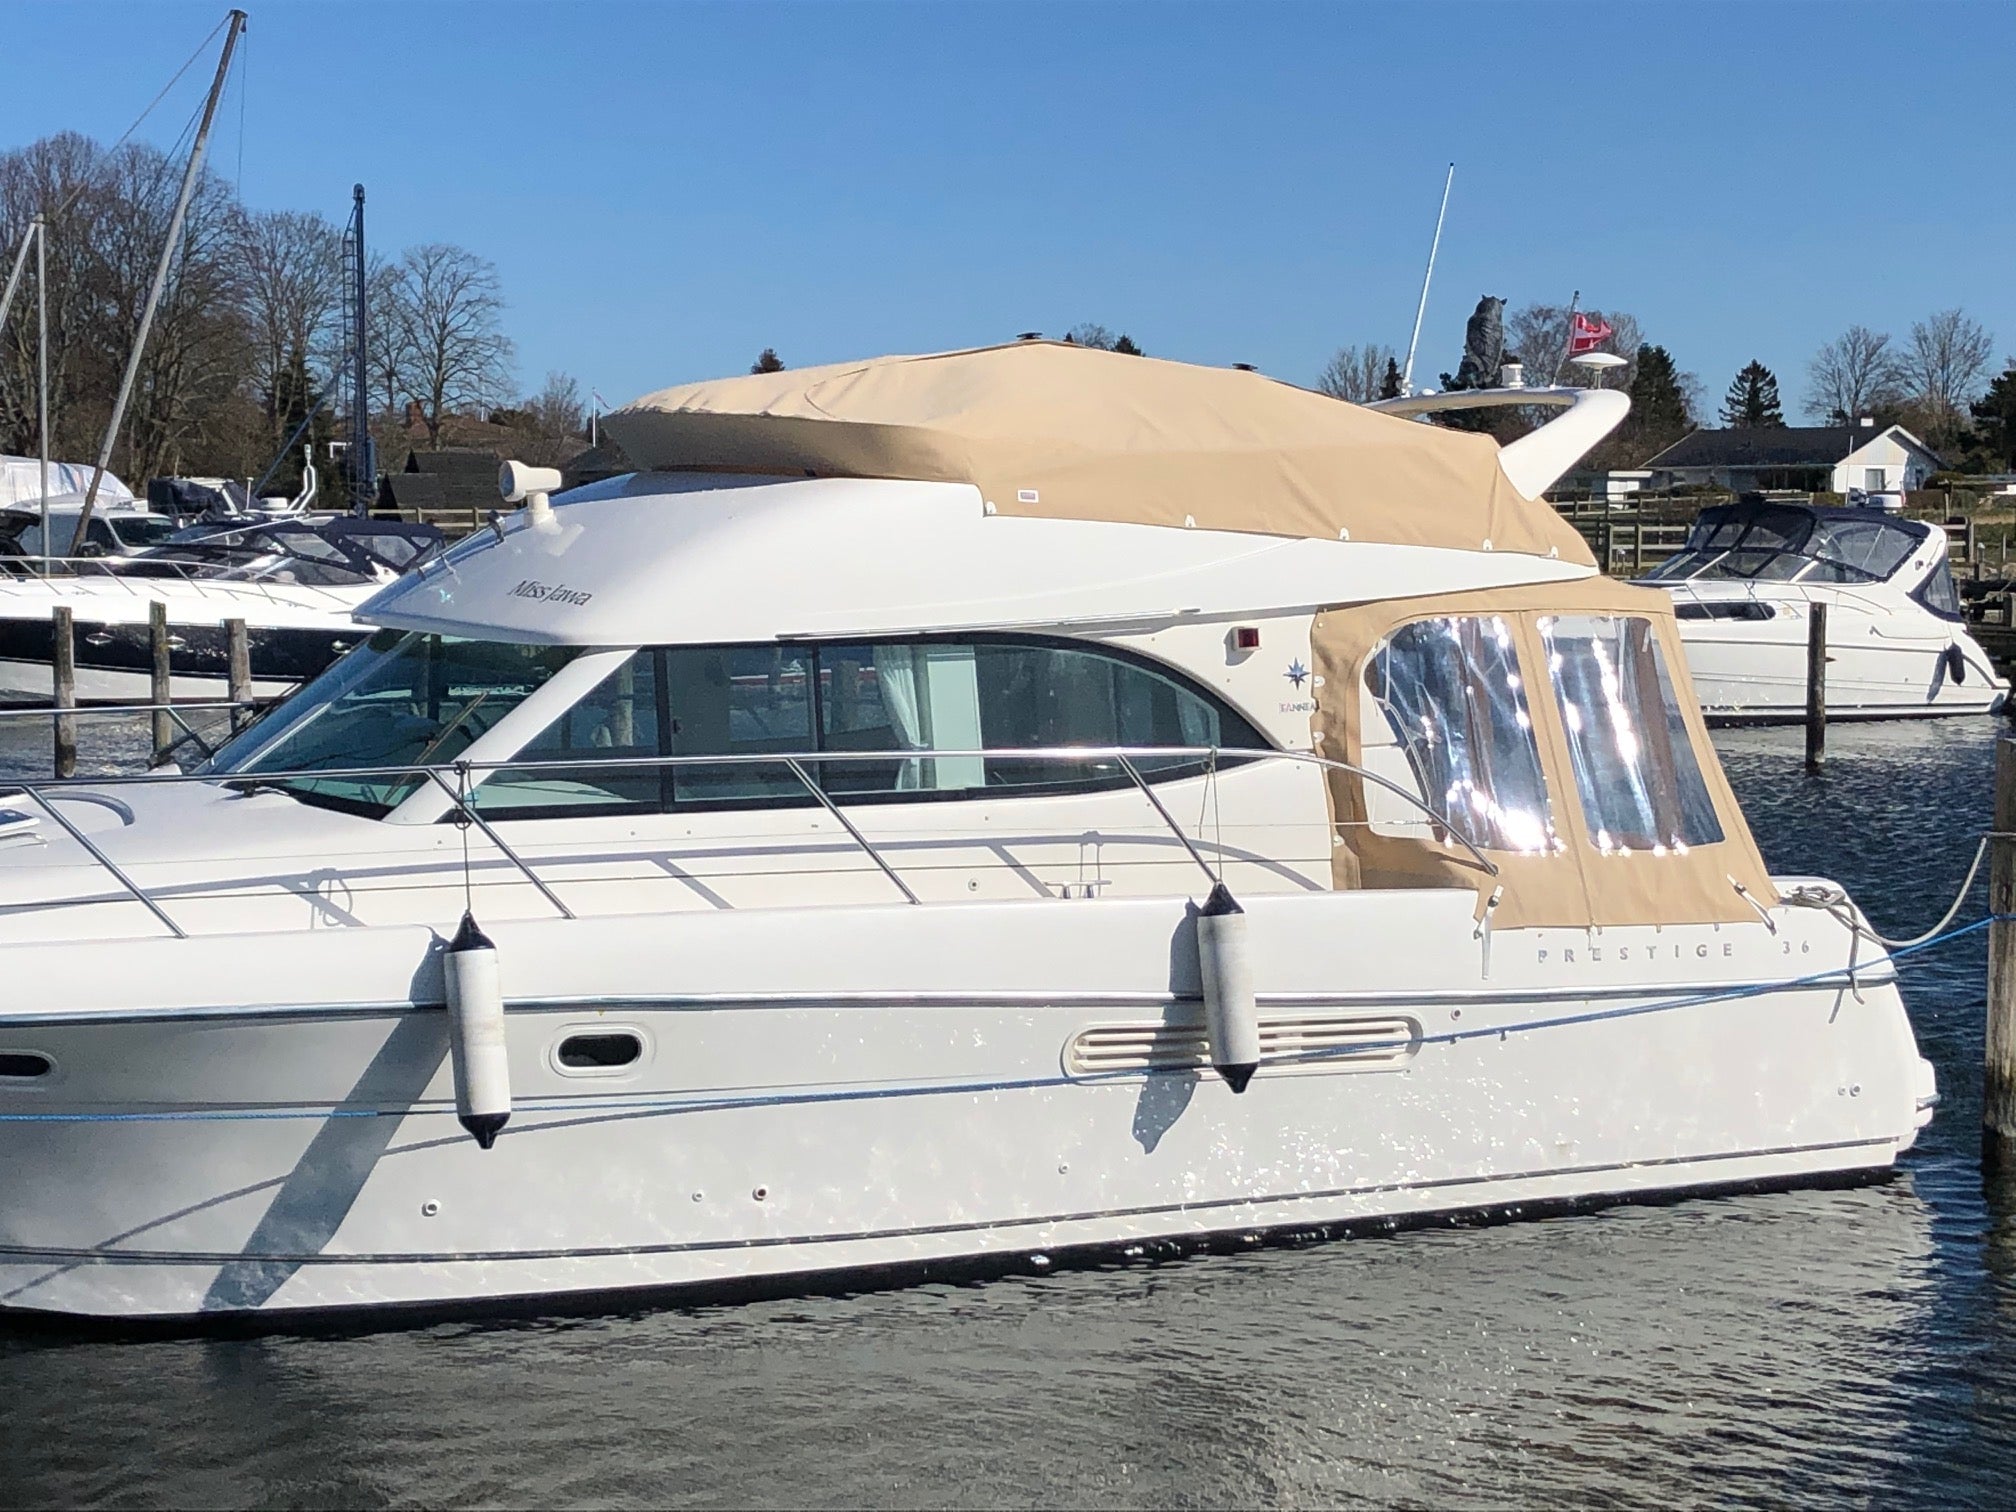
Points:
[599,1108]
[1834,900]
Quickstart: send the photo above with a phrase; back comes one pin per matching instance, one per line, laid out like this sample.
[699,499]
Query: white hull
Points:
[294,630]
[1885,660]
[896,1089]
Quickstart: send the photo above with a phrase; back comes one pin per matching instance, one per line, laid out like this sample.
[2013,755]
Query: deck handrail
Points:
[464,806]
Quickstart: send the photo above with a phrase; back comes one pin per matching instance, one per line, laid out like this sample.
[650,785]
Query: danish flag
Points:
[1587,333]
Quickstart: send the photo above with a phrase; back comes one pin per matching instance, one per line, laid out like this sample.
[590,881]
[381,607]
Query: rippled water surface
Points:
[1853,1346]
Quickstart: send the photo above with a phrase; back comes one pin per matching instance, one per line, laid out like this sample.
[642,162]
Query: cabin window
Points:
[957,697]
[1641,788]
[618,718]
[1939,593]
[742,702]
[399,699]
[1456,705]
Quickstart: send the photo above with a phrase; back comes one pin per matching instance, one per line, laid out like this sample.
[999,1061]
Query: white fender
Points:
[476,1033]
[1231,1014]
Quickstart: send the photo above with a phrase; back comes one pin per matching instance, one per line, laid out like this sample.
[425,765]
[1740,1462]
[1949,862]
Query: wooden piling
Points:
[238,647]
[1816,686]
[1998,1064]
[157,642]
[63,662]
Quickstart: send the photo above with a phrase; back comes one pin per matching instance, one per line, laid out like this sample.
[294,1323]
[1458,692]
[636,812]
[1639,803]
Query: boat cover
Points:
[1053,429]
[1576,884]
[21,482]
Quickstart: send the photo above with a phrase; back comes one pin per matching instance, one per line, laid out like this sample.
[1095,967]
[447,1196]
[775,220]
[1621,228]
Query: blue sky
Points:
[668,188]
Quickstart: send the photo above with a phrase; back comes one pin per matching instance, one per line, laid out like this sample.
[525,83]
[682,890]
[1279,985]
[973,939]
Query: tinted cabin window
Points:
[618,718]
[937,696]
[738,701]
[893,706]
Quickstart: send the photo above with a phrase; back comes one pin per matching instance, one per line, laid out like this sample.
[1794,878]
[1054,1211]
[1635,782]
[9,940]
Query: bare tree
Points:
[1355,373]
[291,274]
[1945,365]
[551,421]
[447,302]
[1538,335]
[1852,375]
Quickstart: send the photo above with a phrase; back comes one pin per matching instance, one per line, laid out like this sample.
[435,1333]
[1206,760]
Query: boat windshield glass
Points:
[1789,543]
[399,698]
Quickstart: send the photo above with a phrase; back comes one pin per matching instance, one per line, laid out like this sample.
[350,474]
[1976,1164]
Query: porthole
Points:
[24,1065]
[600,1052]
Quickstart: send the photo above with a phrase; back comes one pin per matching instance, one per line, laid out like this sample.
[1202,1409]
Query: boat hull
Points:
[863,1101]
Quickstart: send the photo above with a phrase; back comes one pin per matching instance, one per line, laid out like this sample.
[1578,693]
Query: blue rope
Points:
[598,1108]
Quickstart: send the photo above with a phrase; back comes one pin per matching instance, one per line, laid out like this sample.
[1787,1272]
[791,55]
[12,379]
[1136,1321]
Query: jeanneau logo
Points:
[550,593]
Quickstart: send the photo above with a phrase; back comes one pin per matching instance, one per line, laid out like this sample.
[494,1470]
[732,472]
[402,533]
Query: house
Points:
[1812,458]
[461,479]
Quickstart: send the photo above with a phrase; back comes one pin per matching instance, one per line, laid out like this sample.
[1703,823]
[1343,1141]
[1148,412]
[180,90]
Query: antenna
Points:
[1407,373]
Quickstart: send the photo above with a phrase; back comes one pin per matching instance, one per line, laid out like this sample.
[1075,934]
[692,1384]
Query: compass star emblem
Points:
[1297,673]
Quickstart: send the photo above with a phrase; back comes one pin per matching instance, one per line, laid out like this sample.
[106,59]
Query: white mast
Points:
[1407,373]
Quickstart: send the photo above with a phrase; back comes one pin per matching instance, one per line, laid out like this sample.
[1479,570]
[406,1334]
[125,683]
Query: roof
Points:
[1777,446]
[1052,430]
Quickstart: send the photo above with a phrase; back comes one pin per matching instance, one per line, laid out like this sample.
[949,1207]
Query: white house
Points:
[1837,457]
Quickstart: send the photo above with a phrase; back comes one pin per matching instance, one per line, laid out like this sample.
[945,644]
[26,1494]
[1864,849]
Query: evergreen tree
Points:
[1752,400]
[1658,404]
[1995,418]
[1126,348]
[1389,386]
[769,362]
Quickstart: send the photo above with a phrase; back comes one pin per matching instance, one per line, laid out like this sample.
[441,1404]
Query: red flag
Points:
[1587,334]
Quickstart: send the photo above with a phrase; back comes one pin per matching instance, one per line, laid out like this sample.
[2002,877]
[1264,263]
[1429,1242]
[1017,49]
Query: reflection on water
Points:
[1847,1345]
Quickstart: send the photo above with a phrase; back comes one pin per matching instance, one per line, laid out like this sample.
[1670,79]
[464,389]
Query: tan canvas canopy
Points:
[1579,885]
[1051,429]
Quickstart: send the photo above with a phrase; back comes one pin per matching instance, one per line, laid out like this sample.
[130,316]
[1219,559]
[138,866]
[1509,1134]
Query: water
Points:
[1853,1346]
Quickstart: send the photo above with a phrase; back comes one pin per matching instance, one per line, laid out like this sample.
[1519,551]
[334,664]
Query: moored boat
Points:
[940,809]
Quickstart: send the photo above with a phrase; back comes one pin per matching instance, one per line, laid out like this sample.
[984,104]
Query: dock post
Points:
[239,649]
[1638,546]
[1609,535]
[63,662]
[1816,686]
[1998,1063]
[157,642]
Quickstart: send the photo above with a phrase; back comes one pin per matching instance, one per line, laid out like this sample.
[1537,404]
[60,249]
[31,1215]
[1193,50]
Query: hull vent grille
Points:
[1307,1042]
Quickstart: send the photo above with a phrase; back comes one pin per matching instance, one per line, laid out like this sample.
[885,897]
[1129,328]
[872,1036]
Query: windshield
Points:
[1784,543]
[142,530]
[399,699]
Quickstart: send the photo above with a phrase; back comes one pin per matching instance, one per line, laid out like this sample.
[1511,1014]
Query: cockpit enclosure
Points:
[1794,543]
[1556,727]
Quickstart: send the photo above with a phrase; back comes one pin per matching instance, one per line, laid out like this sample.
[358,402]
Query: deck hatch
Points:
[1303,1042]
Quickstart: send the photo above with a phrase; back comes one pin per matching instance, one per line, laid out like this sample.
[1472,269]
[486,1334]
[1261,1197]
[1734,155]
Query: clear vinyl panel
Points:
[1452,693]
[1635,772]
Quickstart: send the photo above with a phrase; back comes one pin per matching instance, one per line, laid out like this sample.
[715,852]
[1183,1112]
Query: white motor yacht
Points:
[1897,644]
[295,584]
[942,811]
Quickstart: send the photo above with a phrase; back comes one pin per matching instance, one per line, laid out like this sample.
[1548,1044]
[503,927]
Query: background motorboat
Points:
[1744,586]
[295,583]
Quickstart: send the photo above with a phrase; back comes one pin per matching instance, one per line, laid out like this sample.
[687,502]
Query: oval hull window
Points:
[24,1065]
[608,1051]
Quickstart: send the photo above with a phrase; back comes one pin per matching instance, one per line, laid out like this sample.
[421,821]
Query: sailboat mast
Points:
[1407,373]
[363,461]
[174,240]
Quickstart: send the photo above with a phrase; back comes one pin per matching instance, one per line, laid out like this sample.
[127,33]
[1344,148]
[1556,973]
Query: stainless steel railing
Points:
[463,794]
